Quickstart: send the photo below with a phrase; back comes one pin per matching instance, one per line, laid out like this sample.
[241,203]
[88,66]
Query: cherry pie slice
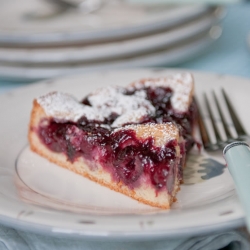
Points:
[133,140]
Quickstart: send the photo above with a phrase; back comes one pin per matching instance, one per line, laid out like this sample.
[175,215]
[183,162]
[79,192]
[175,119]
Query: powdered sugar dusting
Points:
[161,133]
[64,107]
[129,108]
[104,102]
[111,100]
[182,85]
[134,116]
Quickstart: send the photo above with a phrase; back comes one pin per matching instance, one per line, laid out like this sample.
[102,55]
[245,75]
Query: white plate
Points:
[93,53]
[37,22]
[39,196]
[167,57]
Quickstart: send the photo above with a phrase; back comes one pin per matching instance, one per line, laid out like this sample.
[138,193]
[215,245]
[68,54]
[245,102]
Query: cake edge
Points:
[82,167]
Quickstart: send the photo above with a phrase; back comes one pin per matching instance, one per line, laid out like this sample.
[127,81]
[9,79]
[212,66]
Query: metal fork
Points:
[219,142]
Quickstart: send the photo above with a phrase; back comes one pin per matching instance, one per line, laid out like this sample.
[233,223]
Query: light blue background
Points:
[230,54]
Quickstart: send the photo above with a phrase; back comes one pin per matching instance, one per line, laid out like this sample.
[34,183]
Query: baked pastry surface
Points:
[133,140]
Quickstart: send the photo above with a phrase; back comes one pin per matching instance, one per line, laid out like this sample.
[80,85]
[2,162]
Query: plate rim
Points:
[53,38]
[60,56]
[167,57]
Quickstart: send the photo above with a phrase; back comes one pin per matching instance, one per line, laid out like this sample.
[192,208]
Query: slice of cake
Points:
[133,140]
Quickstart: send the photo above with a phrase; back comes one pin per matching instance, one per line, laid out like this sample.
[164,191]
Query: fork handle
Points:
[237,156]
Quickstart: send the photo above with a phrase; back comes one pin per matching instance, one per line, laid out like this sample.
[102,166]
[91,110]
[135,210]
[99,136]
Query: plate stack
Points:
[42,39]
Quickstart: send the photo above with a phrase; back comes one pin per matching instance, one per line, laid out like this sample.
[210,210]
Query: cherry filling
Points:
[121,153]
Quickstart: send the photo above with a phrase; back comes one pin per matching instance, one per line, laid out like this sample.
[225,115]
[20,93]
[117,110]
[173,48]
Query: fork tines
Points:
[222,134]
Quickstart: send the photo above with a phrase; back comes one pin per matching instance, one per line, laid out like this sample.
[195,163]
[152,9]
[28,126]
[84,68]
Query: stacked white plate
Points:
[42,39]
